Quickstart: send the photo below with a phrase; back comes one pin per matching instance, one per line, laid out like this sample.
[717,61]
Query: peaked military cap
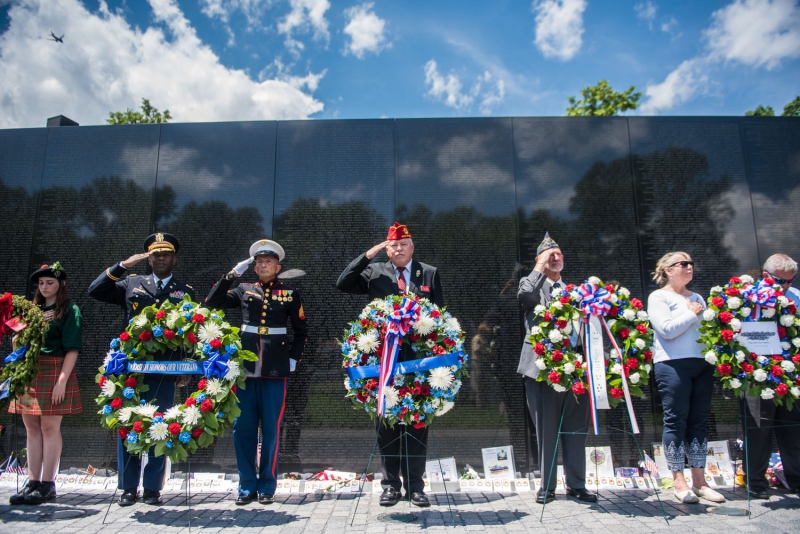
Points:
[162,242]
[265,246]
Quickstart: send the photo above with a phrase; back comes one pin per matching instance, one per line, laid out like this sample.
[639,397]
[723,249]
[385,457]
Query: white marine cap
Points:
[265,246]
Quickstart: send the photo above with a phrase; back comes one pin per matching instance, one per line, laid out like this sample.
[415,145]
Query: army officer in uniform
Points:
[134,293]
[266,305]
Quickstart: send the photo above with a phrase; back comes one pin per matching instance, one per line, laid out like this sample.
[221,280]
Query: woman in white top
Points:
[685,380]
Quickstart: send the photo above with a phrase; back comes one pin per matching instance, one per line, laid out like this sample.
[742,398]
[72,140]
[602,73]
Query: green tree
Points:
[148,115]
[761,111]
[602,100]
[792,109]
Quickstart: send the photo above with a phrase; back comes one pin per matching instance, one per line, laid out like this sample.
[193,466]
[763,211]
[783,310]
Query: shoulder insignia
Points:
[132,275]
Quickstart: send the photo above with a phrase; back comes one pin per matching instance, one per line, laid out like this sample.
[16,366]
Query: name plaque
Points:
[166,368]
[761,338]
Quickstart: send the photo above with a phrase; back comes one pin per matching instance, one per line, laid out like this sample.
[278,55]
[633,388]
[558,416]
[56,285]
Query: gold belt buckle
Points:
[263,330]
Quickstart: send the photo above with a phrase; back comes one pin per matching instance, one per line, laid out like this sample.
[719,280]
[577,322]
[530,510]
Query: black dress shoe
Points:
[44,492]
[244,499]
[266,498]
[128,497]
[19,498]
[152,497]
[582,494]
[540,496]
[418,498]
[389,497]
[759,494]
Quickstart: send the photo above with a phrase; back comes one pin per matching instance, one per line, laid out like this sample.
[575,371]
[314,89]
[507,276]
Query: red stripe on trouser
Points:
[278,431]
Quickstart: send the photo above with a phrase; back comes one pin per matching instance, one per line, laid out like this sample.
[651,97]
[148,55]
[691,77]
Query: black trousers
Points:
[786,425]
[402,453]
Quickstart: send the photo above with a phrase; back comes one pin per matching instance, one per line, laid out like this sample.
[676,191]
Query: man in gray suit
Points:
[545,404]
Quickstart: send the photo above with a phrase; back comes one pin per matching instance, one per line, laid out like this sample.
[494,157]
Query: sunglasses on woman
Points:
[683,264]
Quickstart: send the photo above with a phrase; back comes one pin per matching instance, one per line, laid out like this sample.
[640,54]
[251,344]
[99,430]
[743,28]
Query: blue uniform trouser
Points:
[162,394]
[263,402]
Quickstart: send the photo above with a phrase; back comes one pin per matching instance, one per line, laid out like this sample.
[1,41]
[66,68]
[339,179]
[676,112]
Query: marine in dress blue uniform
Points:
[134,293]
[266,307]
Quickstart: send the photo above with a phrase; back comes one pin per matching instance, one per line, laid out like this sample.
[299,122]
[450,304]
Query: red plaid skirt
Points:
[38,399]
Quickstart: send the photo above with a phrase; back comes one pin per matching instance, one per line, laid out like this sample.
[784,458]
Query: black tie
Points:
[159,285]
[401,279]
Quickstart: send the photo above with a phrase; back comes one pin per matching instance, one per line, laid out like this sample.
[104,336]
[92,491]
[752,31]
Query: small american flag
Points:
[649,464]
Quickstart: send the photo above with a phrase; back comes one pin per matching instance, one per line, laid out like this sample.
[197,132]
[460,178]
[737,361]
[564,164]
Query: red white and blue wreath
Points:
[411,392]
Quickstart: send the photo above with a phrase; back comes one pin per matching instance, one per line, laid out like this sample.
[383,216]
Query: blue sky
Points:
[216,60]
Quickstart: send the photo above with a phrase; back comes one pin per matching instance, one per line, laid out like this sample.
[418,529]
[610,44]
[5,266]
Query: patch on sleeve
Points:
[301,313]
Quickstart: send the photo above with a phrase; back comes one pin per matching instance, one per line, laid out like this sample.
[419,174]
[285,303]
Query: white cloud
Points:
[223,9]
[668,25]
[306,16]
[448,90]
[559,27]
[682,84]
[646,11]
[366,31]
[112,65]
[759,33]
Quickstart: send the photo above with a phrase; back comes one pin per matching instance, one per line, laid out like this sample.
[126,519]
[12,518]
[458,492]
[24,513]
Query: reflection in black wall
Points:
[478,195]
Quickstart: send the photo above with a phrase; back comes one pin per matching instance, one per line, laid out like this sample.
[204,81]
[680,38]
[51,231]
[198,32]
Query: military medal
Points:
[418,273]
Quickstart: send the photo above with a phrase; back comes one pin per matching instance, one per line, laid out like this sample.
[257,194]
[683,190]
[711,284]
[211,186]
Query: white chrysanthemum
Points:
[709,315]
[559,388]
[734,303]
[440,377]
[453,324]
[140,321]
[783,301]
[124,414]
[768,313]
[557,305]
[107,358]
[146,410]
[624,292]
[647,368]
[735,383]
[611,322]
[796,342]
[634,378]
[208,332]
[616,369]
[368,341]
[346,383]
[555,336]
[535,331]
[795,391]
[639,343]
[736,325]
[568,328]
[716,289]
[569,368]
[172,414]
[759,375]
[711,357]
[629,315]
[392,397]
[172,318]
[190,415]
[159,431]
[786,320]
[575,295]
[767,394]
[556,292]
[594,280]
[539,309]
[540,364]
[740,356]
[233,371]
[642,315]
[745,312]
[614,300]
[446,407]
[109,388]
[746,278]
[787,366]
[425,324]
[785,345]
[214,387]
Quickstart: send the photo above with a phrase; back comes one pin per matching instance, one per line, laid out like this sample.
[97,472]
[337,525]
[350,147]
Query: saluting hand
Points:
[241,267]
[133,260]
[371,253]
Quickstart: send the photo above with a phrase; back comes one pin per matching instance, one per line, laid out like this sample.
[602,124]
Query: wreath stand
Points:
[594,442]
[402,517]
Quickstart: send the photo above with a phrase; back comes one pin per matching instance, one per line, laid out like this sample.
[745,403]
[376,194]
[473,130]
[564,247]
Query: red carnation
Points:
[617,392]
[724,369]
[130,382]
[116,403]
[419,425]
[435,314]
[797,381]
[174,429]
[547,316]
[433,336]
[371,384]
[641,328]
[123,432]
[554,377]
[414,337]
[782,390]
[364,359]
[796,359]
[403,412]
[578,388]
[351,339]
[197,432]
[609,288]
[362,397]
[191,337]
[792,309]
[570,287]
[364,323]
[732,292]
[769,281]
[637,304]
[425,391]
[215,343]
[138,427]
[416,390]
[633,363]
[538,349]
[160,314]
[190,401]
[624,333]
[561,323]
[614,310]
[233,388]
[781,332]
[648,355]
[403,391]
[124,336]
[145,336]
[158,414]
[753,356]
[449,342]
[102,381]
[169,334]
[438,350]
[747,368]
[564,300]
[557,355]
[207,405]
[396,306]
[718,302]
[727,335]
[565,342]
[198,318]
[577,364]
[725,317]
[776,370]
[202,384]
[735,280]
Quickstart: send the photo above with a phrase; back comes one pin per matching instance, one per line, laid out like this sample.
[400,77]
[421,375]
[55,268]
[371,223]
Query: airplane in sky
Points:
[56,39]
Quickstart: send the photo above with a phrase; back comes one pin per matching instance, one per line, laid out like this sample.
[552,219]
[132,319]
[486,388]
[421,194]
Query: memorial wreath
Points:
[25,319]
[627,325]
[215,350]
[744,300]
[409,392]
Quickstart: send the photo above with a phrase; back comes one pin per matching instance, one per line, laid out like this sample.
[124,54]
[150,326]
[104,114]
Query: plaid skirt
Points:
[38,399]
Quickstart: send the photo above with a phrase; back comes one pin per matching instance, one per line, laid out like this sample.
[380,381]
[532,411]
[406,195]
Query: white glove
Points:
[241,267]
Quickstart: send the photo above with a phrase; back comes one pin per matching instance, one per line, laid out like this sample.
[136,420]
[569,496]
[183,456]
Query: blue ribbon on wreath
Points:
[116,365]
[216,366]
[17,354]
[407,367]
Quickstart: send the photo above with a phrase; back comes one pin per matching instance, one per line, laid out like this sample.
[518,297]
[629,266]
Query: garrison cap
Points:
[546,243]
